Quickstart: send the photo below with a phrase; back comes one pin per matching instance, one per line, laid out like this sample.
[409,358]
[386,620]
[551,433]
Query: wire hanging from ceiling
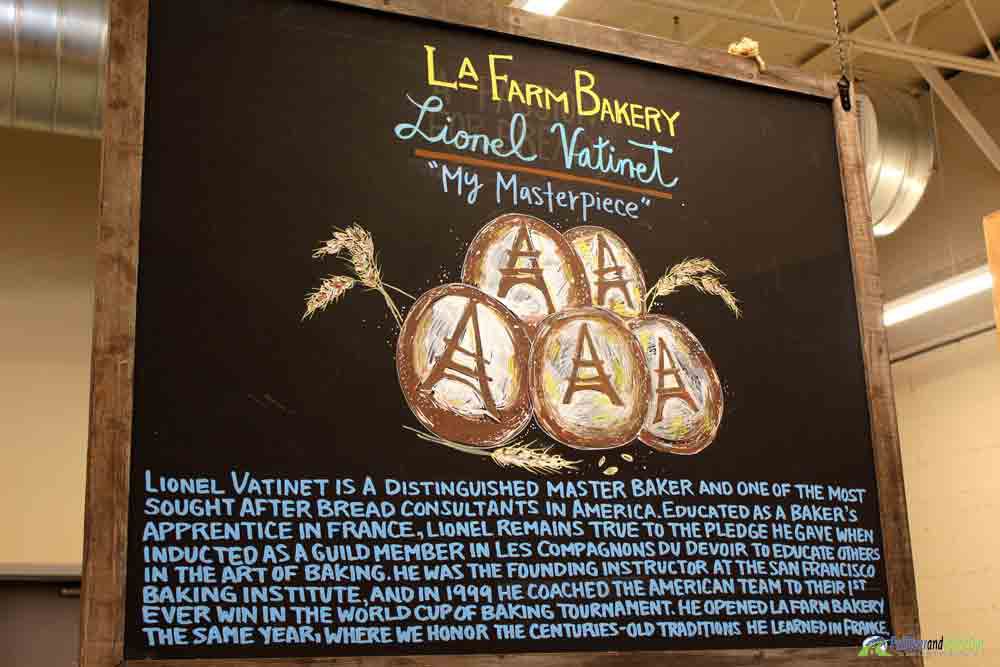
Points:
[844,85]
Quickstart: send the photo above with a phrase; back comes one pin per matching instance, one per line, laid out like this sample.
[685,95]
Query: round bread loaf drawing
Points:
[589,383]
[462,362]
[528,265]
[685,406]
[616,279]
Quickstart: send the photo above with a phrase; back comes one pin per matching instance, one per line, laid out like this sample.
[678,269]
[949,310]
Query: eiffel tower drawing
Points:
[599,382]
[512,274]
[610,274]
[447,366]
[663,392]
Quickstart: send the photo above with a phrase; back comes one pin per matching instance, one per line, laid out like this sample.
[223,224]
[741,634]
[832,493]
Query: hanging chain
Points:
[844,85]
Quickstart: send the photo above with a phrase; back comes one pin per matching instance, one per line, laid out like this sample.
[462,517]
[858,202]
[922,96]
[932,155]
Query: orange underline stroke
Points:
[490,164]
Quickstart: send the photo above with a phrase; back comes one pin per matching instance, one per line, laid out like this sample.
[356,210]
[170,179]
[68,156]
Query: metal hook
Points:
[844,86]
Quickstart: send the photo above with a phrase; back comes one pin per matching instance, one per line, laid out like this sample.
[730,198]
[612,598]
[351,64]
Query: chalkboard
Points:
[464,341]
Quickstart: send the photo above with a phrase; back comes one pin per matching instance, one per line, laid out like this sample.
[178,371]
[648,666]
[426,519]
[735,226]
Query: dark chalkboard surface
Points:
[270,123]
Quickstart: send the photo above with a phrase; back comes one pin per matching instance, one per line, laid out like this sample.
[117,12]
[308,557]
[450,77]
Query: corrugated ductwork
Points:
[52,56]
[898,145]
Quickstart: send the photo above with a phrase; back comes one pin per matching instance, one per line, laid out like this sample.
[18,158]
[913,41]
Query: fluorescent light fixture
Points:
[545,7]
[937,296]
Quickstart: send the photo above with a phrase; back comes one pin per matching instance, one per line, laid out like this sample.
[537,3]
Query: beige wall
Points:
[948,402]
[48,203]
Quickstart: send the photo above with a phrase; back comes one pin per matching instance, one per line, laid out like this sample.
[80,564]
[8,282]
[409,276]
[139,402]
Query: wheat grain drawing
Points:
[327,293]
[700,273]
[356,247]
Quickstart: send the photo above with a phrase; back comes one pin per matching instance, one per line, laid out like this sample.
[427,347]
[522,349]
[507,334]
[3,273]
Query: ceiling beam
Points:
[798,11]
[712,24]
[901,13]
[950,99]
[777,11]
[896,50]
[962,113]
[913,29]
[982,31]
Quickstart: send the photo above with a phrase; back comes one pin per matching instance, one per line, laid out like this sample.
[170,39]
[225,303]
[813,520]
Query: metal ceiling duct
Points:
[52,58]
[898,145]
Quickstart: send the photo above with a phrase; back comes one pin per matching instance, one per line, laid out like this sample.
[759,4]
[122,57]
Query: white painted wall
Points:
[948,403]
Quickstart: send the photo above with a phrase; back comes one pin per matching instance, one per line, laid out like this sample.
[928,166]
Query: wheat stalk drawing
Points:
[356,247]
[521,454]
[700,273]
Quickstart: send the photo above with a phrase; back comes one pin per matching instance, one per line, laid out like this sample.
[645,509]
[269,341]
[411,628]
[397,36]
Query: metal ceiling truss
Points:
[947,94]
[898,15]
[889,49]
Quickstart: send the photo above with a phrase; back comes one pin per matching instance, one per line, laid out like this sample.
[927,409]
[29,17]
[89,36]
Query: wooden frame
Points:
[991,228]
[103,589]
